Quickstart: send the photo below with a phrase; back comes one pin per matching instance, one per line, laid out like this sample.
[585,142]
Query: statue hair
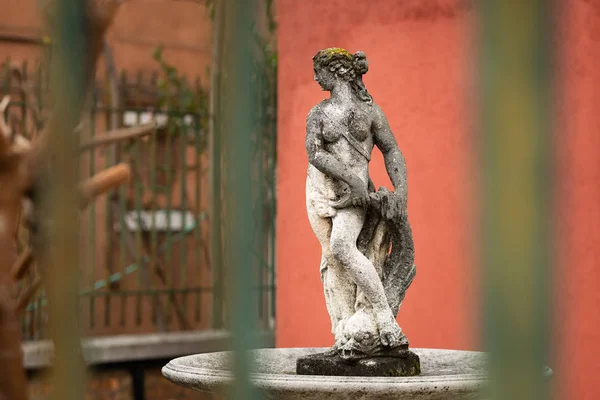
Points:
[348,66]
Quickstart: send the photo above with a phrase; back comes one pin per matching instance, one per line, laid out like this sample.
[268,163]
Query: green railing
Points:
[146,247]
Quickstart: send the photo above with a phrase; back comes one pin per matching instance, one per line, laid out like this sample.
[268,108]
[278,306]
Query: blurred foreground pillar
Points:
[515,66]
[70,66]
[237,115]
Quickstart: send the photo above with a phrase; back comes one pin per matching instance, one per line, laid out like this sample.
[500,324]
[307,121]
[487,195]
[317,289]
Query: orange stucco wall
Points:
[183,28]
[577,296]
[422,63]
[418,76]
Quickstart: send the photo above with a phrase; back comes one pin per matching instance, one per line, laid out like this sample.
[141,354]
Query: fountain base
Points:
[403,363]
[445,375]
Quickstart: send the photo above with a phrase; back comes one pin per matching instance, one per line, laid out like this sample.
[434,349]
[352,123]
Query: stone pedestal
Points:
[445,375]
[406,363]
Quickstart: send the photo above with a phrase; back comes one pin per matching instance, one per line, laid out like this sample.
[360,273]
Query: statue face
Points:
[325,78]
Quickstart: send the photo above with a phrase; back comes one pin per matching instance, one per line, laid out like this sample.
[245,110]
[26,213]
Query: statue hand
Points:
[358,196]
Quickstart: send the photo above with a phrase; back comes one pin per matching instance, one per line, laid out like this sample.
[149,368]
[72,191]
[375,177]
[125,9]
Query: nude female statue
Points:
[364,282]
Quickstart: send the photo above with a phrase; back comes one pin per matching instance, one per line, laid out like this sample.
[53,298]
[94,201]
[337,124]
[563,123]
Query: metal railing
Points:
[145,248]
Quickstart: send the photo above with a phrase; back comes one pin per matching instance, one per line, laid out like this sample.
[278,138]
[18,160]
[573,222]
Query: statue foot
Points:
[340,340]
[389,331]
[339,334]
[335,349]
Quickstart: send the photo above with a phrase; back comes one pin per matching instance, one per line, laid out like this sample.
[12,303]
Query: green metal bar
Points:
[24,99]
[273,177]
[113,278]
[70,72]
[169,254]
[138,205]
[153,233]
[272,215]
[110,160]
[238,115]
[216,235]
[138,232]
[39,332]
[183,247]
[198,232]
[39,91]
[516,123]
[123,308]
[40,88]
[39,324]
[92,213]
[121,216]
[122,245]
[259,155]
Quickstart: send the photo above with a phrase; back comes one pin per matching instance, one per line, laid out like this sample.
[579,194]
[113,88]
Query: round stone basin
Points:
[445,374]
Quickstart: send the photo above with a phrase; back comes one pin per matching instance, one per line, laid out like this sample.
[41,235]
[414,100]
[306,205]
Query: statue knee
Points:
[342,251]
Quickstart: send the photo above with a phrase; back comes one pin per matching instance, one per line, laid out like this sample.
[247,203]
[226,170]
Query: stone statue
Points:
[366,240]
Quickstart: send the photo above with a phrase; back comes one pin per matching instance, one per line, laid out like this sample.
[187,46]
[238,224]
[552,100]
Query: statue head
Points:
[334,64]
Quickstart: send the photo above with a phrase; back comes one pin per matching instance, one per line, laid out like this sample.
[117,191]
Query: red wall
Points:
[421,57]
[418,76]
[577,300]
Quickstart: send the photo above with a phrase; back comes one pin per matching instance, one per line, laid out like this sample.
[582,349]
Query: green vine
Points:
[176,93]
[178,97]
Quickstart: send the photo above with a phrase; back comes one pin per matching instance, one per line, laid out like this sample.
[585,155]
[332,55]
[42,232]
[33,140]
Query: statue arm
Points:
[393,158]
[322,159]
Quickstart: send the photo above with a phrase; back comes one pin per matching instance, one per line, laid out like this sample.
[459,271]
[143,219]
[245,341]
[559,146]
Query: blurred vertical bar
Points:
[90,260]
[71,60]
[169,164]
[257,198]
[120,210]
[37,310]
[24,99]
[238,119]
[112,120]
[139,226]
[156,320]
[216,262]
[514,87]
[182,277]
[198,244]
[137,203]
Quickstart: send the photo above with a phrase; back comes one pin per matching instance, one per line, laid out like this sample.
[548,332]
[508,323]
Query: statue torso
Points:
[352,119]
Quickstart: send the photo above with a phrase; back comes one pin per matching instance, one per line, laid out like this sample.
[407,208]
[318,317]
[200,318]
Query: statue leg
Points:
[321,227]
[342,298]
[347,224]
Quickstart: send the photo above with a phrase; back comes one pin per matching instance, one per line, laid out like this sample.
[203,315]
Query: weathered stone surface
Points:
[445,375]
[367,261]
[405,364]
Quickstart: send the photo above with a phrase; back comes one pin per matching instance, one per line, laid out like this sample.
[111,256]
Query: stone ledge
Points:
[126,348]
